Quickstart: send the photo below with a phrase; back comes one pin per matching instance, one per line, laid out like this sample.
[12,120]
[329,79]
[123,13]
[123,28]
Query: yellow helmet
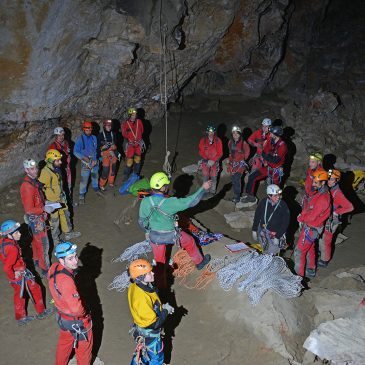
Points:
[53,155]
[316,156]
[158,180]
[132,111]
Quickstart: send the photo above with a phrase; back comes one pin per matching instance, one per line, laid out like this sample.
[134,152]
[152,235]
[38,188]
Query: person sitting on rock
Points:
[315,164]
[315,211]
[20,278]
[157,216]
[273,154]
[108,151]
[239,151]
[271,221]
[340,205]
[257,140]
[148,313]
[211,151]
[132,131]
[51,179]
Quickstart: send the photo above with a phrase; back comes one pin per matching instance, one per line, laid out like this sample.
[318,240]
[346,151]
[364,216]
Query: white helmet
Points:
[58,130]
[29,163]
[266,122]
[237,129]
[273,190]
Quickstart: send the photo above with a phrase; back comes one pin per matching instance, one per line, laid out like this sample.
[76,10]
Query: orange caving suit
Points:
[75,324]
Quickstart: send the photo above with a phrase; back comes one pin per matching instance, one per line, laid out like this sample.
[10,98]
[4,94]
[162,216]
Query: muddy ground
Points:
[197,332]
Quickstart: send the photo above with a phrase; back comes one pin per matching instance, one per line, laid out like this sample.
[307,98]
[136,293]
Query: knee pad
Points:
[129,162]
[137,159]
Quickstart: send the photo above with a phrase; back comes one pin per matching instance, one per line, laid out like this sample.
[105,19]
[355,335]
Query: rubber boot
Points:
[137,168]
[126,172]
[204,262]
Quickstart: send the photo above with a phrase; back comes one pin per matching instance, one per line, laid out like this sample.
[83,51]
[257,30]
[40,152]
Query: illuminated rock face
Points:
[64,60]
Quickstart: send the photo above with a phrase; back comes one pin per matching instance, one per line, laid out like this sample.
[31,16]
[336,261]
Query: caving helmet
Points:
[276,130]
[87,125]
[132,111]
[320,175]
[273,190]
[58,130]
[266,122]
[64,249]
[29,163]
[53,155]
[9,226]
[158,180]
[334,174]
[237,129]
[317,156]
[139,267]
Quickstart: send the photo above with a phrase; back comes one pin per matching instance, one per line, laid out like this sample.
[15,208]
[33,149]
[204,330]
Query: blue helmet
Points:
[64,249]
[9,227]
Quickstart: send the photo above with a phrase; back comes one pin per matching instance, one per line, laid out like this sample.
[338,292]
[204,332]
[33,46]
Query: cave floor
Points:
[200,336]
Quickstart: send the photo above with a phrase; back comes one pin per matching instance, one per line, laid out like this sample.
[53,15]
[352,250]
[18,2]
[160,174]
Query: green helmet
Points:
[316,156]
[132,111]
[158,180]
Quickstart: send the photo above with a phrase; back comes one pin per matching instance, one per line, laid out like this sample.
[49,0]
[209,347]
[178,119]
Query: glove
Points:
[210,163]
[49,209]
[254,236]
[169,308]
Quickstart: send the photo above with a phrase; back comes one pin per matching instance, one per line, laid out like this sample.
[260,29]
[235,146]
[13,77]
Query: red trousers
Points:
[19,303]
[187,242]
[83,350]
[40,248]
[210,171]
[108,169]
[325,245]
[133,149]
[303,248]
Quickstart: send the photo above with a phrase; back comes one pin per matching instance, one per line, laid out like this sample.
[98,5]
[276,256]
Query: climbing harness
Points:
[271,172]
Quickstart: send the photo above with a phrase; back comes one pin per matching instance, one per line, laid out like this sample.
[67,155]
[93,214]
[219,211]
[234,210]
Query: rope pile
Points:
[183,265]
[134,252]
[120,282]
[263,272]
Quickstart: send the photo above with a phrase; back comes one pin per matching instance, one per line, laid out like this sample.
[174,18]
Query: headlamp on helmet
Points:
[237,129]
[29,163]
[64,249]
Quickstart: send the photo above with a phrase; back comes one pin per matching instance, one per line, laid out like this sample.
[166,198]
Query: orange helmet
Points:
[107,122]
[334,174]
[87,125]
[320,175]
[139,267]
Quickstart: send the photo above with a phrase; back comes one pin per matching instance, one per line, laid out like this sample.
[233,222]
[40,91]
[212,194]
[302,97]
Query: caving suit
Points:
[273,156]
[148,317]
[133,145]
[258,139]
[75,324]
[108,152]
[238,154]
[271,222]
[210,150]
[65,150]
[157,216]
[51,179]
[10,256]
[340,205]
[309,190]
[315,212]
[33,201]
[86,146]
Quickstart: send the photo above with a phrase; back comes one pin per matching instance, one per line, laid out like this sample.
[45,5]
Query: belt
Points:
[72,318]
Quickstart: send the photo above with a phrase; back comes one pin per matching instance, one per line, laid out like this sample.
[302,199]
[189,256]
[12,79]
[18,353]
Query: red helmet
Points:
[87,125]
[107,122]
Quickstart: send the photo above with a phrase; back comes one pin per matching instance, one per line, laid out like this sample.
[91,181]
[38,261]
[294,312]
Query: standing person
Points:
[86,151]
[132,131]
[211,151]
[157,216]
[51,179]
[148,313]
[74,321]
[108,151]
[273,155]
[315,164]
[63,147]
[239,151]
[340,206]
[33,201]
[271,221]
[20,278]
[315,212]
[257,139]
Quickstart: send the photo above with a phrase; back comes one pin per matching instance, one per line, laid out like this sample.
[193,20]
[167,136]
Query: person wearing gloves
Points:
[33,201]
[211,151]
[340,205]
[148,313]
[157,217]
[271,221]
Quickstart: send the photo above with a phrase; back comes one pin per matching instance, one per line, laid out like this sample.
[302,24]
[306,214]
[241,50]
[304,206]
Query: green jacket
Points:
[161,218]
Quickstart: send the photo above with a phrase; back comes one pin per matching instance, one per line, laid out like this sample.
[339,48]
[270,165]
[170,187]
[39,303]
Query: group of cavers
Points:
[44,198]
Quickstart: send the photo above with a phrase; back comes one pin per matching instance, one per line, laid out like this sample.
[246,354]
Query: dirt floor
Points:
[195,334]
